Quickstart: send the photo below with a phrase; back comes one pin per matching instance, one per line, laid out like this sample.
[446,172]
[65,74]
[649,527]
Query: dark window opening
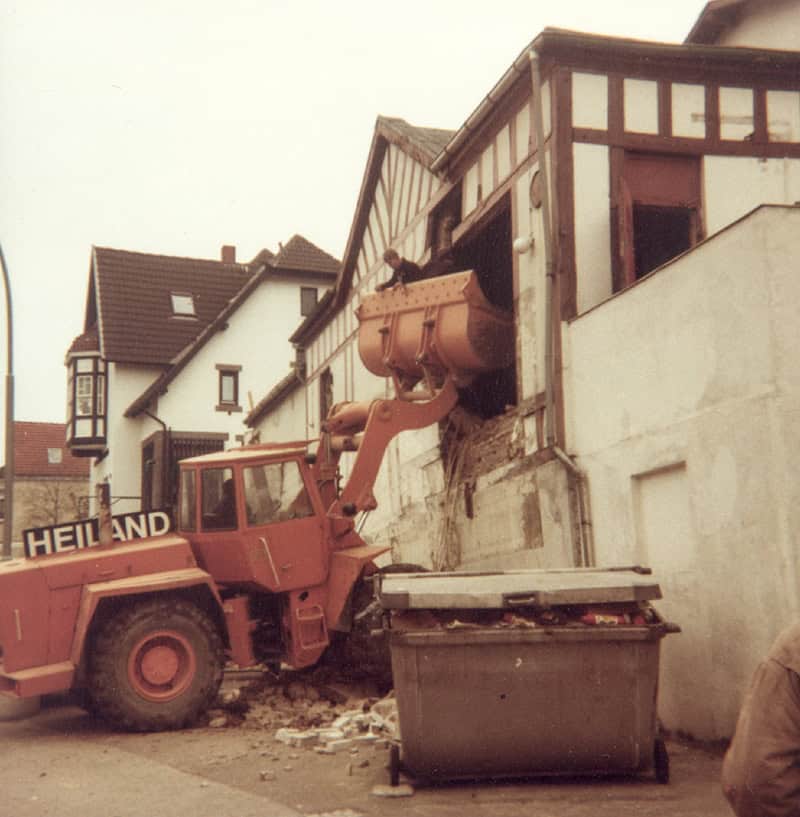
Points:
[308,300]
[441,223]
[325,394]
[659,234]
[658,206]
[489,254]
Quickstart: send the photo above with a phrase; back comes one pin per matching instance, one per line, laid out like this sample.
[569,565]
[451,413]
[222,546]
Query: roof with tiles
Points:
[300,254]
[87,342]
[430,141]
[40,451]
[134,289]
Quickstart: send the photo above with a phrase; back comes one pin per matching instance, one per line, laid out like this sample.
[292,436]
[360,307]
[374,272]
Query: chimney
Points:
[228,254]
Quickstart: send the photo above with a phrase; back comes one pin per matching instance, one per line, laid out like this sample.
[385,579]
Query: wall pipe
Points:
[584,547]
[8,522]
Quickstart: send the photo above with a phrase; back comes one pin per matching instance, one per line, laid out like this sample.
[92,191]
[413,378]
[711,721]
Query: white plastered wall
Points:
[256,339]
[122,467]
[592,226]
[766,25]
[685,414]
[734,185]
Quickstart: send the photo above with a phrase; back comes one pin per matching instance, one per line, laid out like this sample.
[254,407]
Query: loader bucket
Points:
[434,328]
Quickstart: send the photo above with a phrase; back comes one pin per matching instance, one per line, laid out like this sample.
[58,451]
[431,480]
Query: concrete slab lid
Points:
[527,588]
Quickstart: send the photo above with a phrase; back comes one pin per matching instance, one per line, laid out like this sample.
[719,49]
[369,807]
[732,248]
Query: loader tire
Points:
[155,665]
[359,654]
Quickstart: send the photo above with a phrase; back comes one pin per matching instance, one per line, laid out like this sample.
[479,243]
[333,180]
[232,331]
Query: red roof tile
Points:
[136,314]
[33,441]
[300,254]
[87,342]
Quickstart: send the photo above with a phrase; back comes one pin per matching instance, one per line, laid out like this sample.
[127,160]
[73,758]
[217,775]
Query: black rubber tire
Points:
[661,761]
[131,693]
[357,655]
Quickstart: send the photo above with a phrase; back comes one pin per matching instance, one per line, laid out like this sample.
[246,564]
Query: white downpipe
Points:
[585,545]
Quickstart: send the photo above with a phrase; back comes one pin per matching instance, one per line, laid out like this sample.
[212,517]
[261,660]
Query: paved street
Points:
[62,763]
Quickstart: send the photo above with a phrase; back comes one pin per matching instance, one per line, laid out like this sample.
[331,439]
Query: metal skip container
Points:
[525,673]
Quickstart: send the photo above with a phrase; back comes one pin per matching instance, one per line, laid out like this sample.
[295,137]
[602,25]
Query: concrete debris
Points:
[218,722]
[340,812]
[368,724]
[267,775]
[231,696]
[385,790]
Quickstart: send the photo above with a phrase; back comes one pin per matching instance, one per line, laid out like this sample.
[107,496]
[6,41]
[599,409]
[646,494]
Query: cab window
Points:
[188,501]
[218,499]
[275,492]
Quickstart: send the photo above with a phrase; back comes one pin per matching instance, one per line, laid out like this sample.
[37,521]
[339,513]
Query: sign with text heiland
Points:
[84,533]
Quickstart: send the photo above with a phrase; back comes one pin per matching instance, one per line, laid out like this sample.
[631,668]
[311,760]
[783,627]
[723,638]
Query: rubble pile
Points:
[306,710]
[366,725]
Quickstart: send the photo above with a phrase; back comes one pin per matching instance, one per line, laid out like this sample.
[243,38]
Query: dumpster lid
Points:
[523,588]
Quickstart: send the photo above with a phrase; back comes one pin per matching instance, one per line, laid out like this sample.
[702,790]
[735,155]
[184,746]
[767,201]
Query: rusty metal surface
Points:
[505,703]
[444,325]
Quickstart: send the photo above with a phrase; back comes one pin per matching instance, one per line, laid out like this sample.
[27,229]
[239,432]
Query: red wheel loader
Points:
[265,561]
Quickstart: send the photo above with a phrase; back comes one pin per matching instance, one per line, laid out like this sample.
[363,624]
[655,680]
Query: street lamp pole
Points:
[8,522]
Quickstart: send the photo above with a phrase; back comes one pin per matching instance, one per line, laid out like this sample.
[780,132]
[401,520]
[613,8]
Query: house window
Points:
[308,300]
[228,393]
[659,214]
[54,456]
[183,304]
[86,405]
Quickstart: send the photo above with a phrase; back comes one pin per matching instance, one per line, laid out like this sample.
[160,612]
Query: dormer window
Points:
[86,404]
[183,305]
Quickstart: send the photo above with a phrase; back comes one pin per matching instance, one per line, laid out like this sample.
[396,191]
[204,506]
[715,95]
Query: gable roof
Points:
[182,358]
[135,315]
[300,254]
[33,441]
[423,145]
[715,17]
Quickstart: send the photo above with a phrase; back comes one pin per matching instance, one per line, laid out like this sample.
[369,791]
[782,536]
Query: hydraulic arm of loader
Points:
[431,338]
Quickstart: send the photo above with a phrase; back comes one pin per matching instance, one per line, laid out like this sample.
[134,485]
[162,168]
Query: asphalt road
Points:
[63,763]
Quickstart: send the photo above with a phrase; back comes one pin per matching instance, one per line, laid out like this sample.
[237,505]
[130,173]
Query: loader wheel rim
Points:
[161,666]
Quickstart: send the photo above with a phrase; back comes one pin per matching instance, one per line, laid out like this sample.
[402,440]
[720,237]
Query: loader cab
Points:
[255,518]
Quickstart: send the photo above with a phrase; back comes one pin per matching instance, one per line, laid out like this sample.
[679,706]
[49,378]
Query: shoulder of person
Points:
[786,649]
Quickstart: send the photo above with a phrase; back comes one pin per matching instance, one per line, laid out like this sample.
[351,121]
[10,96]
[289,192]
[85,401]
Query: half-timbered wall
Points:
[748,137]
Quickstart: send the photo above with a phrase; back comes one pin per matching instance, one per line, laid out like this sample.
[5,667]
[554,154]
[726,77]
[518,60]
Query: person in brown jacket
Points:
[761,770]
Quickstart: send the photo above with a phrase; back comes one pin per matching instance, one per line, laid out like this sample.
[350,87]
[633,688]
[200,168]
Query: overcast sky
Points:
[176,127]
